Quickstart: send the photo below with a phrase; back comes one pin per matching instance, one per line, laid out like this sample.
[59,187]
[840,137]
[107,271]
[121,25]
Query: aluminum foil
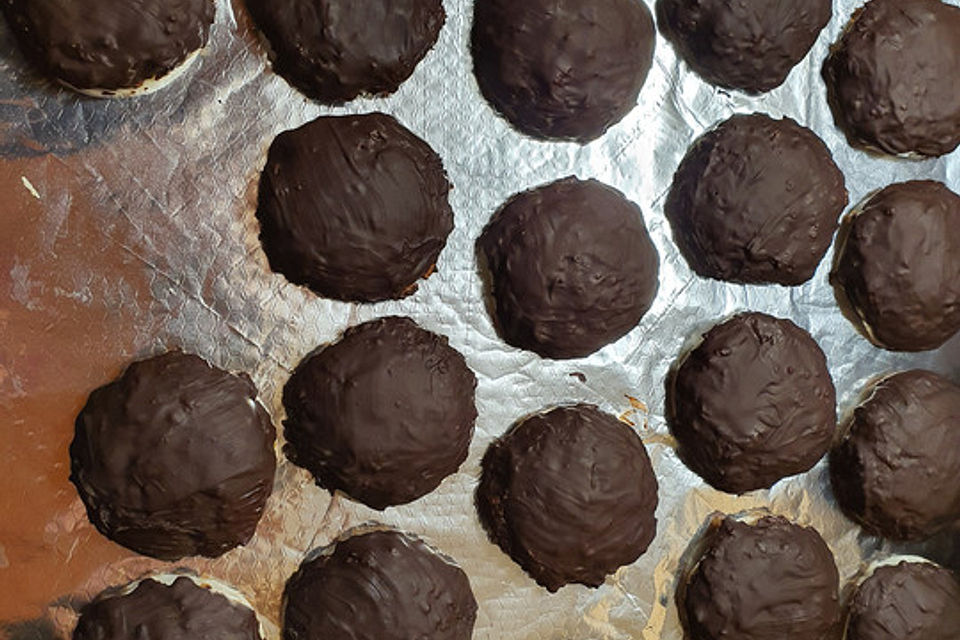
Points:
[141,237]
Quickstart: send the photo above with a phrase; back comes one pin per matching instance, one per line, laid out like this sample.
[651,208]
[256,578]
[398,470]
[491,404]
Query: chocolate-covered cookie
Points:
[383,585]
[766,580]
[752,403]
[895,470]
[383,415]
[175,458]
[570,495]
[571,267]
[110,47]
[562,69]
[893,78]
[180,610]
[898,265]
[354,207]
[750,46]
[909,600]
[756,200]
[336,50]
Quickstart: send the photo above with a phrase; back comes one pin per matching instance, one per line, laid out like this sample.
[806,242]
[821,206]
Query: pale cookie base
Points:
[865,327]
[890,561]
[211,584]
[148,86]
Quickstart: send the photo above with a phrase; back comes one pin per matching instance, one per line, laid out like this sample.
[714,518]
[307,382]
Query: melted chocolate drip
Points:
[572,268]
[766,581]
[899,265]
[756,200]
[383,585]
[895,470]
[570,495]
[97,44]
[909,601]
[893,78]
[752,404]
[750,46]
[383,415]
[181,611]
[354,207]
[562,69]
[175,458]
[336,50]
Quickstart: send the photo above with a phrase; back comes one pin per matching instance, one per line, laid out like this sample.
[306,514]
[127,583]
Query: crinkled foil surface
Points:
[127,228]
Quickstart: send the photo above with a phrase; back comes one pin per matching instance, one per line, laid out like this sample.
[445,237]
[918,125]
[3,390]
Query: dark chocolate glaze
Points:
[570,495]
[383,585]
[908,601]
[336,50]
[97,44]
[562,69]
[383,415]
[154,611]
[893,78]
[766,581]
[571,266]
[750,46]
[354,207]
[752,404]
[895,470]
[899,265]
[175,458]
[756,200]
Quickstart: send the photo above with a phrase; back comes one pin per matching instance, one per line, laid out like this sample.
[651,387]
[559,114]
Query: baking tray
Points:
[127,228]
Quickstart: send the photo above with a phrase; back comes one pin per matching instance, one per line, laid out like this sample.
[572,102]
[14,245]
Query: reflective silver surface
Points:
[130,230]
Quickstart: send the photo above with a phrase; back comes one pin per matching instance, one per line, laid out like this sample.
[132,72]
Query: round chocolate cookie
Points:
[562,69]
[571,268]
[175,458]
[108,48]
[914,600]
[752,404]
[895,470]
[756,201]
[570,495]
[768,580]
[383,415]
[898,266]
[750,46]
[354,207]
[336,50]
[893,78]
[180,610]
[383,585]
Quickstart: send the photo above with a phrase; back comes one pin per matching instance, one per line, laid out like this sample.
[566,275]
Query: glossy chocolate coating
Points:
[756,200]
[175,458]
[752,404]
[383,415]
[750,46]
[570,495]
[766,581]
[571,266]
[336,50]
[155,611]
[354,207]
[893,78]
[111,45]
[899,265]
[383,585]
[895,470]
[562,69]
[907,601]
